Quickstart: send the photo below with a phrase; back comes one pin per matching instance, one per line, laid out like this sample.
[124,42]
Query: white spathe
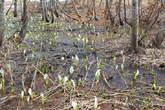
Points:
[74,85]
[74,105]
[42,95]
[71,69]
[45,76]
[2,72]
[95,103]
[22,94]
[65,79]
[30,91]
[59,77]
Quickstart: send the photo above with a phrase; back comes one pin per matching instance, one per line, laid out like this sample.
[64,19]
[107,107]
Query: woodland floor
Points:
[46,44]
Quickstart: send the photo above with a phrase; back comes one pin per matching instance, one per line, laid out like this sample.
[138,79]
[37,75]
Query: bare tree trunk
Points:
[125,15]
[119,14]
[135,26]
[89,8]
[23,31]
[108,14]
[45,11]
[128,2]
[42,9]
[106,10]
[117,7]
[21,6]
[111,16]
[55,8]
[66,2]
[2,20]
[94,9]
[51,10]
[100,3]
[15,8]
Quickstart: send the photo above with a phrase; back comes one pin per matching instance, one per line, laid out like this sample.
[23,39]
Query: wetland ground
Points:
[61,61]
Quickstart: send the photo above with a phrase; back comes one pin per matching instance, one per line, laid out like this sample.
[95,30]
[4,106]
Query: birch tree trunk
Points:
[135,26]
[2,20]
